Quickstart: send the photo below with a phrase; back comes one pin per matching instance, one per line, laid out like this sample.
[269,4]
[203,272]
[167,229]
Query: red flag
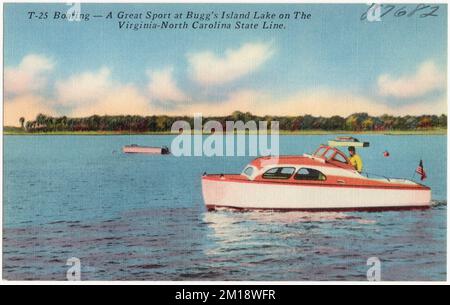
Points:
[421,171]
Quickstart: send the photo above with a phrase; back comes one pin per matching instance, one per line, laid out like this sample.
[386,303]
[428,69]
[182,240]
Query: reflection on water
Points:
[309,245]
[134,217]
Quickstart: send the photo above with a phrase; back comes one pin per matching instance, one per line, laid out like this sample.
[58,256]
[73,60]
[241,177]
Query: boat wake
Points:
[438,203]
[286,217]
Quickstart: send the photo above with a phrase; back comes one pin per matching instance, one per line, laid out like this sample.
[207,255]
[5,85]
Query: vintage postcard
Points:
[224,142]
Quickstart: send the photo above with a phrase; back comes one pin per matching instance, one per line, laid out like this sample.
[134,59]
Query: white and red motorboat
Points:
[323,181]
[138,149]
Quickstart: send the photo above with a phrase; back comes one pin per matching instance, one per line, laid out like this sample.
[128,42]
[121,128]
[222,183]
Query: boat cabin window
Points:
[279,173]
[249,171]
[309,174]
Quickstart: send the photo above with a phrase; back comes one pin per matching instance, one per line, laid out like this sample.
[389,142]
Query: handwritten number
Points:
[418,8]
[390,8]
[400,12]
[364,15]
[433,10]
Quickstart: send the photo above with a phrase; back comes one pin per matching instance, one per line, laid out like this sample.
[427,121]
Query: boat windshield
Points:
[331,154]
[319,152]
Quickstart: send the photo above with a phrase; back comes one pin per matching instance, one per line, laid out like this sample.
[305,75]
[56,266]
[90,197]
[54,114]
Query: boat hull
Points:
[219,193]
[145,150]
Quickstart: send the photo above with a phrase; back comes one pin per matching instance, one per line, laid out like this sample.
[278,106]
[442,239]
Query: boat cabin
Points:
[326,160]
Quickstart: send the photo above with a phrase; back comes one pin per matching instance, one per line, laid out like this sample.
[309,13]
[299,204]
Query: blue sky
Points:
[332,64]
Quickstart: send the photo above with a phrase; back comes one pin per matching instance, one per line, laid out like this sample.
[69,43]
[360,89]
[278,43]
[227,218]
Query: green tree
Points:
[22,121]
[161,123]
[425,122]
[368,124]
[442,121]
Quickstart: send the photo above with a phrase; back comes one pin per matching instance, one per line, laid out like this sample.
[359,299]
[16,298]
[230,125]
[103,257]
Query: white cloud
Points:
[27,106]
[122,100]
[428,78]
[22,85]
[29,76]
[84,88]
[162,86]
[209,69]
[94,92]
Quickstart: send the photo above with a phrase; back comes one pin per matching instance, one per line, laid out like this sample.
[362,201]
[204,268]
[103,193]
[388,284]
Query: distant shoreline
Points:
[435,131]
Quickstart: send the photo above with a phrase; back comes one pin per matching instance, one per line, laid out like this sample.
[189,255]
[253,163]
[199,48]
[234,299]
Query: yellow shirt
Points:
[357,163]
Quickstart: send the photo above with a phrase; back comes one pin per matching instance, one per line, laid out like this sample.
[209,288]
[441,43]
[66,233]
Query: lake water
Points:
[138,217]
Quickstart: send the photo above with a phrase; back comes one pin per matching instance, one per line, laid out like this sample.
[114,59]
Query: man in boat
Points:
[355,159]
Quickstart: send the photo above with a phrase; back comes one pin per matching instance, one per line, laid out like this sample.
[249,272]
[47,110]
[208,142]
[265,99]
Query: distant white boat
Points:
[137,149]
[346,142]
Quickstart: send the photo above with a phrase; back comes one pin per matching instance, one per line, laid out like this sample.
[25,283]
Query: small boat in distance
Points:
[323,181]
[346,142]
[138,149]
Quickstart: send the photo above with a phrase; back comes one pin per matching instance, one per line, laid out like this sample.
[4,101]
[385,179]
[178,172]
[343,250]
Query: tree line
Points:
[163,123]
